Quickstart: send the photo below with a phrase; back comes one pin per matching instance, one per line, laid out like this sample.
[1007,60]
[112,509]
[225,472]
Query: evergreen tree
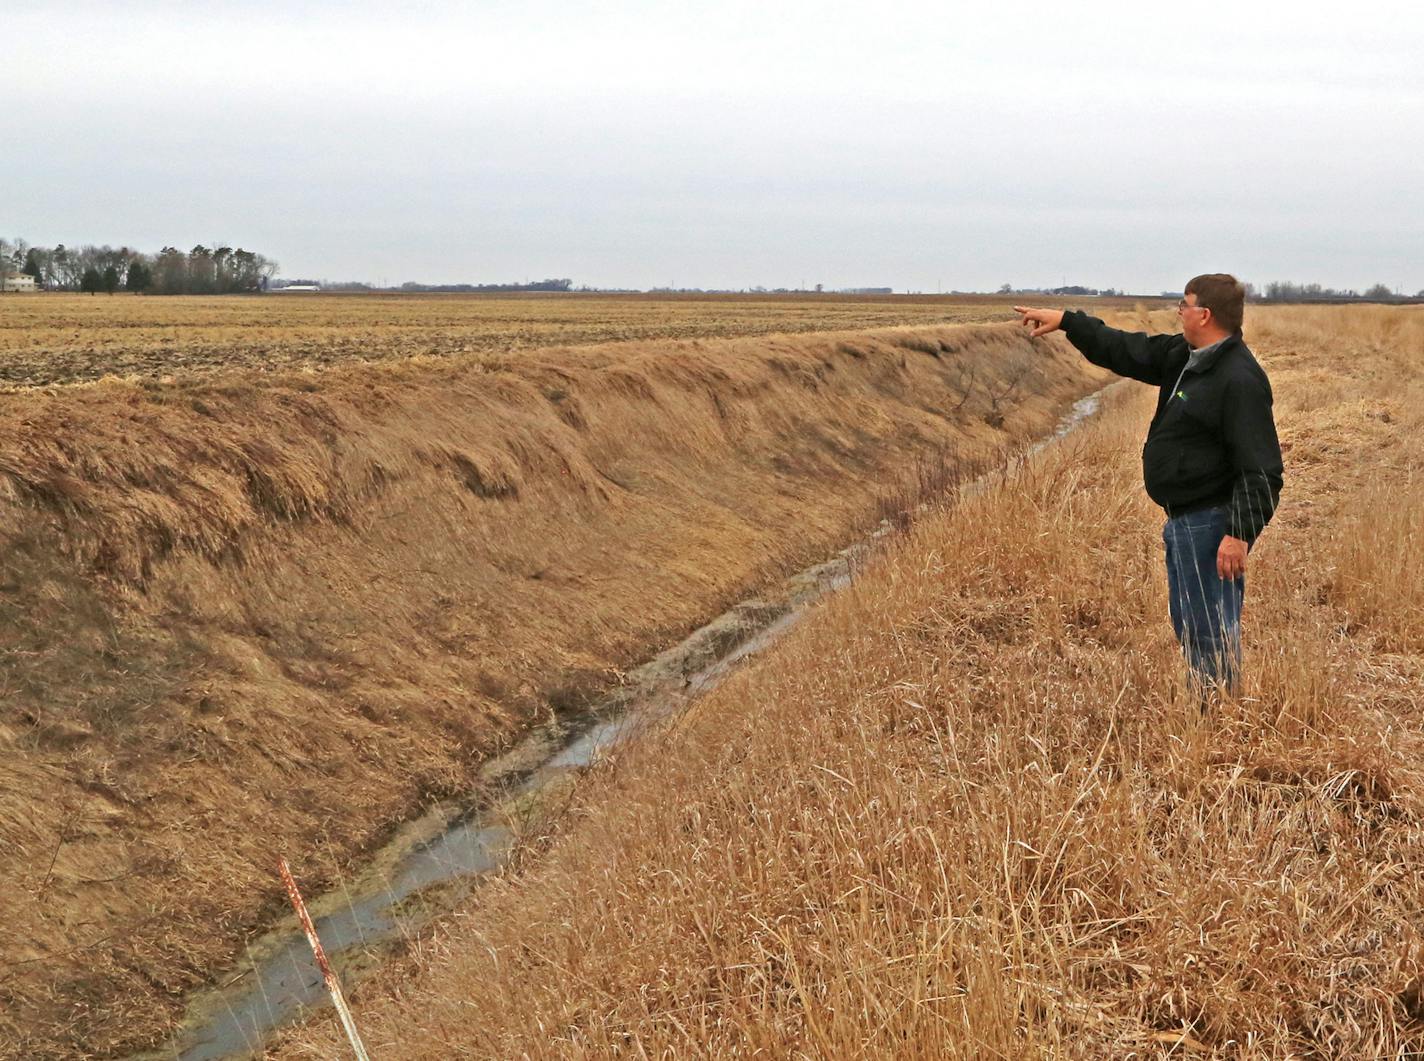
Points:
[91,282]
[140,277]
[33,267]
[110,280]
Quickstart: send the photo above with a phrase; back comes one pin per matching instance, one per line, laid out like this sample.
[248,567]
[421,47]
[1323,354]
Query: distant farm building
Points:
[298,287]
[17,282]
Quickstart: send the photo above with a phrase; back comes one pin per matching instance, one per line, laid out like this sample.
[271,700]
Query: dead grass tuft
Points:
[1374,554]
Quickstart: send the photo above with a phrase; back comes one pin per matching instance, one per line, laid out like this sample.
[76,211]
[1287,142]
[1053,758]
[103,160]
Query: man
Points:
[1211,460]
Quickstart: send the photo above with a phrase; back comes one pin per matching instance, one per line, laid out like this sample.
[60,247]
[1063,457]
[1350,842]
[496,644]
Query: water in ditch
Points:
[439,860]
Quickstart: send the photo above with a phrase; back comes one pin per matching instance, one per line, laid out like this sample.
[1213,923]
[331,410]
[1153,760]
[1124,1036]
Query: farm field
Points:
[254,606]
[969,810]
[53,338]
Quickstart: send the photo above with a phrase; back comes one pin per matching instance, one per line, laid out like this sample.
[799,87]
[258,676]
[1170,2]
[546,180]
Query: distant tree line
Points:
[1285,291]
[1066,289]
[537,285]
[1078,289]
[200,271]
[283,282]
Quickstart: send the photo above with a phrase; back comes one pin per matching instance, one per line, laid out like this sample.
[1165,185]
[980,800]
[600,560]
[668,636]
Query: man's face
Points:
[1194,319]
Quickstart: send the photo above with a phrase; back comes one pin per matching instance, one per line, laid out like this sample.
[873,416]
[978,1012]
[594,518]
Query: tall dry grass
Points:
[969,810]
[267,614]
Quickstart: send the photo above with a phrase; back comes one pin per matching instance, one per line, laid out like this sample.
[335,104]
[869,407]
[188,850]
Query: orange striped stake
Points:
[333,986]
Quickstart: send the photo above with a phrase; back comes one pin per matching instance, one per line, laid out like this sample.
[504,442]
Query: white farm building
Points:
[17,282]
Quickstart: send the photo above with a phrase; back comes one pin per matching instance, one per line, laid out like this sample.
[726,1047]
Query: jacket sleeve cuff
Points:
[1240,525]
[1246,534]
[1071,324]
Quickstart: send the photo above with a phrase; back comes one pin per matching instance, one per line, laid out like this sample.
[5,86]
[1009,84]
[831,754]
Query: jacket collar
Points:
[1213,354]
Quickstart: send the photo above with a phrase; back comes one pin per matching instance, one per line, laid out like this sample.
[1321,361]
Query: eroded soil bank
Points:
[280,615]
[434,863]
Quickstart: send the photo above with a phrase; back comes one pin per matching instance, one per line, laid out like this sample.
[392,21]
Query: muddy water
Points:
[437,860]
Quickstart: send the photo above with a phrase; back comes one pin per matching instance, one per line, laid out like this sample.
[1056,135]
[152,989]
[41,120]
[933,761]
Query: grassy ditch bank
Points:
[967,810]
[265,614]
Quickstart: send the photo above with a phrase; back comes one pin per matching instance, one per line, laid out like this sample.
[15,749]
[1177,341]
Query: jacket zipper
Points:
[1179,380]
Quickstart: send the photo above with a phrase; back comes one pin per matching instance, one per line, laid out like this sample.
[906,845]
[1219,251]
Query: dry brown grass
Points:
[968,810]
[46,339]
[248,618]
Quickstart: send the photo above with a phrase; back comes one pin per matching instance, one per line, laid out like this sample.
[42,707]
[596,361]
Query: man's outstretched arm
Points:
[1136,355]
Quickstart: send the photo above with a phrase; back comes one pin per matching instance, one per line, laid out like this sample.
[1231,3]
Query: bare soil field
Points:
[253,608]
[969,810]
[58,338]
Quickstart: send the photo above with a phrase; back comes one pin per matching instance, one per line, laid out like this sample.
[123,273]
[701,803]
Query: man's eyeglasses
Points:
[1182,305]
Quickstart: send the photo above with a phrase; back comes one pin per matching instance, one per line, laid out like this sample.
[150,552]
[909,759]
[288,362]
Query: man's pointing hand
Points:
[1042,321]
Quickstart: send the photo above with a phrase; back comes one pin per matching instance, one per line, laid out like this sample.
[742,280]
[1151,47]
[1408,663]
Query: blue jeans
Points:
[1206,609]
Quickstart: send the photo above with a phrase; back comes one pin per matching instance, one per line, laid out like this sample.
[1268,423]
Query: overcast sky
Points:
[914,145]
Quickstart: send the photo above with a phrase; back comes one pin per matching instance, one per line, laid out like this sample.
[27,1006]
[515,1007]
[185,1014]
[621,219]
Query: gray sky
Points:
[911,145]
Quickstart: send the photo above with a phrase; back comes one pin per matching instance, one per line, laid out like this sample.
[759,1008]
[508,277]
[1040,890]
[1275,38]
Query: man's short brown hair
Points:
[1224,295]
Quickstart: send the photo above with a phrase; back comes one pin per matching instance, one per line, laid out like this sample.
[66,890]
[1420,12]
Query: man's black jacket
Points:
[1213,438]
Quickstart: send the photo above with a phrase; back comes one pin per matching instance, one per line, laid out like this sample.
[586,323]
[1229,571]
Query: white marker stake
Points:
[333,986]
